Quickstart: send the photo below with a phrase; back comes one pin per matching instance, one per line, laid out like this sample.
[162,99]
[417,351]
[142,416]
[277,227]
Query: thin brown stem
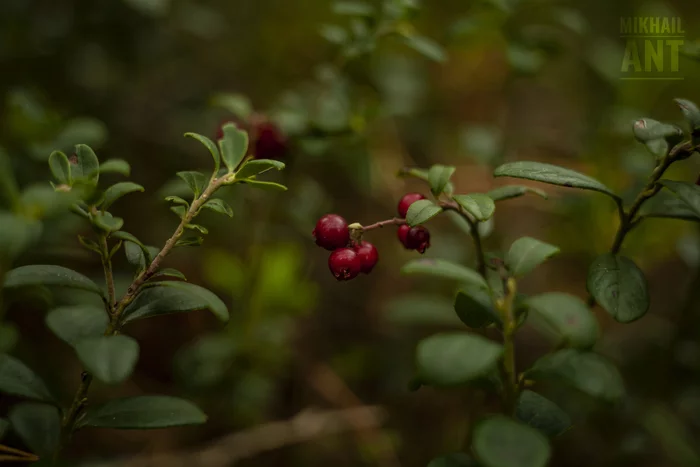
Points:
[511,384]
[107,267]
[382,224]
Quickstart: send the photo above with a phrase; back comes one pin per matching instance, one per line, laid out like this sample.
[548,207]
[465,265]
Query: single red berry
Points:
[418,238]
[270,142]
[344,264]
[403,233]
[368,255]
[331,232]
[407,201]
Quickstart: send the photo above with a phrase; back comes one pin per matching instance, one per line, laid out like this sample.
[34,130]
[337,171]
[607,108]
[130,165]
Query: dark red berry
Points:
[331,232]
[344,264]
[418,238]
[403,233]
[368,255]
[407,201]
[270,142]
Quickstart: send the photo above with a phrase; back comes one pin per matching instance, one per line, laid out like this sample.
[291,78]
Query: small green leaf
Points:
[39,426]
[451,359]
[692,116]
[542,414]
[177,200]
[197,181]
[234,146]
[689,193]
[111,359]
[353,8]
[199,228]
[567,316]
[586,371]
[457,459]
[60,167]
[118,190]
[107,222]
[220,206]
[646,130]
[135,255]
[117,166]
[500,441]
[72,323]
[237,104]
[439,177]
[257,166]
[181,211]
[527,253]
[426,47]
[268,186]
[144,412]
[475,308]
[170,272]
[619,286]
[190,241]
[129,238]
[41,274]
[552,174]
[513,191]
[211,146]
[17,379]
[480,206]
[445,269]
[174,297]
[422,211]
[85,167]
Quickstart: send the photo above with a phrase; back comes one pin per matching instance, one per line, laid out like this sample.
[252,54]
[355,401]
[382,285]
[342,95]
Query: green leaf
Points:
[475,308]
[567,316]
[619,286]
[60,167]
[667,205]
[220,206]
[445,269]
[451,359]
[690,112]
[258,166]
[111,359]
[237,104]
[646,130]
[117,166]
[586,371]
[17,234]
[72,323]
[353,8]
[177,200]
[416,309]
[179,210]
[457,459]
[118,190]
[199,228]
[513,191]
[268,186]
[422,211]
[333,33]
[107,222]
[39,426]
[480,206]
[170,272]
[210,145]
[499,441]
[541,413]
[174,297]
[197,181]
[86,166]
[17,379]
[234,146]
[131,255]
[426,47]
[526,254]
[689,193]
[439,177]
[552,174]
[190,241]
[144,412]
[135,255]
[43,274]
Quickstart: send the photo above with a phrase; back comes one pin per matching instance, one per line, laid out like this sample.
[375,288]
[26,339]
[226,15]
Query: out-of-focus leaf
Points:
[118,190]
[500,441]
[41,274]
[513,191]
[72,323]
[144,412]
[117,166]
[173,297]
[444,269]
[527,253]
[567,316]
[60,167]
[39,426]
[107,222]
[111,359]
[18,379]
[237,104]
[426,47]
[542,414]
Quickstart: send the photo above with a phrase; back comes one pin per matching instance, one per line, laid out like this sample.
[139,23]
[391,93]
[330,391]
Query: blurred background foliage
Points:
[361,90]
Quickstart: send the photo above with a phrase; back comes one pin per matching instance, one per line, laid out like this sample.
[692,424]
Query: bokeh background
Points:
[510,80]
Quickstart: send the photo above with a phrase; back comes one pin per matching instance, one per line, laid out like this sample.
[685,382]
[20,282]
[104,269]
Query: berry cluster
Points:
[350,254]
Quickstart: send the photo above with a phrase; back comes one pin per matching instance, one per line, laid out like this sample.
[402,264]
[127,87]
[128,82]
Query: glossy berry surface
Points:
[402,233]
[344,264]
[368,255]
[407,201]
[331,232]
[418,238]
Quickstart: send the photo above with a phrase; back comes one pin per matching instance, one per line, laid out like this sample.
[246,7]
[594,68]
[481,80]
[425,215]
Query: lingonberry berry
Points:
[270,142]
[418,238]
[344,264]
[403,233]
[407,201]
[368,255]
[331,232]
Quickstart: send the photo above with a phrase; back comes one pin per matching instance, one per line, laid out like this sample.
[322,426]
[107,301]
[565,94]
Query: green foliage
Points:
[234,146]
[474,307]
[39,426]
[220,206]
[211,146]
[60,167]
[197,181]
[619,286]
[503,442]
[439,177]
[542,414]
[144,412]
[481,207]
[256,167]
[111,359]
[513,191]
[118,190]
[174,297]
[117,166]
[526,254]
[445,269]
[17,379]
[422,211]
[688,193]
[50,275]
[73,323]
[566,316]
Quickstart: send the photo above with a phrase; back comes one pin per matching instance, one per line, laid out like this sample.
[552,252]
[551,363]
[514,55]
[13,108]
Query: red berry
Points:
[331,232]
[407,201]
[344,264]
[403,233]
[270,142]
[368,255]
[418,238]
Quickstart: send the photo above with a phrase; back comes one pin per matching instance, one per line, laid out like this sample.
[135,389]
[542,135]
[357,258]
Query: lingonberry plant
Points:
[488,297]
[97,333]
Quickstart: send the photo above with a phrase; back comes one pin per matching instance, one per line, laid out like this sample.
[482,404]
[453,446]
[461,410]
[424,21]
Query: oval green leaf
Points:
[72,323]
[117,166]
[566,316]
[107,222]
[422,211]
[513,191]
[689,193]
[111,359]
[690,112]
[197,181]
[39,426]
[220,206]
[541,413]
[445,269]
[480,206]
[475,308]
[619,286]
[60,167]
[210,145]
[526,254]
[43,274]
[174,297]
[234,146]
[19,380]
[258,166]
[118,190]
[439,178]
[503,442]
[84,165]
[144,412]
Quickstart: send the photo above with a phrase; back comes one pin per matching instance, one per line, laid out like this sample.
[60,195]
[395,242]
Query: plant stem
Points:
[474,230]
[381,224]
[109,276]
[505,307]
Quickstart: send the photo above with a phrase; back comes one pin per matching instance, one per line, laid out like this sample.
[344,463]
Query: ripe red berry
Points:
[418,238]
[344,264]
[331,232]
[407,201]
[270,142]
[368,255]
[403,233]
